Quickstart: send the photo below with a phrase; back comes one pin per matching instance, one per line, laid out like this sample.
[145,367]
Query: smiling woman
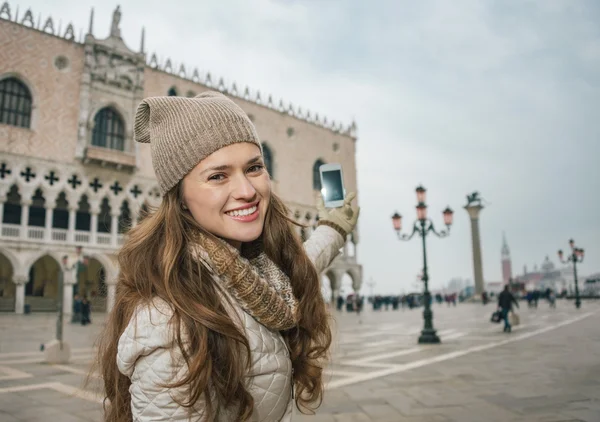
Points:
[218,313]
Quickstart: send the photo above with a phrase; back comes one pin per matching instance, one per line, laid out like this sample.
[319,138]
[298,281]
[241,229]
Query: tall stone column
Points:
[111,292]
[474,210]
[48,223]
[336,284]
[114,228]
[69,279]
[2,201]
[94,211]
[20,281]
[72,221]
[25,204]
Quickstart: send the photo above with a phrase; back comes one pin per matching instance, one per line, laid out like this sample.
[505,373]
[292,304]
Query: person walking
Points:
[85,311]
[218,313]
[505,302]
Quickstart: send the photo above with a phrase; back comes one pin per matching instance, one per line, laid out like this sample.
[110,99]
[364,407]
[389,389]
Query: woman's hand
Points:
[344,217]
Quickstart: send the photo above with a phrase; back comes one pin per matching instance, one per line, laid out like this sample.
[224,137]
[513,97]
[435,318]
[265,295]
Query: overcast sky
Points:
[496,96]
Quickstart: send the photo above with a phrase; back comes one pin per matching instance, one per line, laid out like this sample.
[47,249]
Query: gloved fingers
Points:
[320,203]
[349,198]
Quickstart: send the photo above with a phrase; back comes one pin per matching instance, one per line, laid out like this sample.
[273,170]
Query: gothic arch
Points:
[32,91]
[127,146]
[40,254]
[14,261]
[109,267]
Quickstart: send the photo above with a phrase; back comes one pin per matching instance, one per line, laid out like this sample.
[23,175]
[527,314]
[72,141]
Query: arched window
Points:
[172,92]
[15,103]
[268,158]
[109,130]
[317,174]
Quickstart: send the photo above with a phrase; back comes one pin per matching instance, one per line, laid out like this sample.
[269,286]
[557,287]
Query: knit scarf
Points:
[251,278]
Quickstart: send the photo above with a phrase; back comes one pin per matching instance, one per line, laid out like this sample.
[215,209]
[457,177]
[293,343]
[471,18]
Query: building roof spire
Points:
[143,40]
[505,250]
[91,28]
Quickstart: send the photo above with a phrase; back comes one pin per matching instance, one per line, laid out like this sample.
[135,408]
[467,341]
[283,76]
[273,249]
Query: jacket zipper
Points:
[292,383]
[290,356]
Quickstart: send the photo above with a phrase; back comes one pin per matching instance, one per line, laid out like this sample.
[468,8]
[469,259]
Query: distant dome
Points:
[547,266]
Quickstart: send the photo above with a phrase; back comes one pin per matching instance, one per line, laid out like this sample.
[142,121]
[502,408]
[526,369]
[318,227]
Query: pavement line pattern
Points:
[77,371]
[56,386]
[448,356]
[12,374]
[398,353]
[41,359]
[36,353]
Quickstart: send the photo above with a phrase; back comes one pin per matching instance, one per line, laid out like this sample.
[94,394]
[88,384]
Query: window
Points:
[109,130]
[172,92]
[268,158]
[317,174]
[15,103]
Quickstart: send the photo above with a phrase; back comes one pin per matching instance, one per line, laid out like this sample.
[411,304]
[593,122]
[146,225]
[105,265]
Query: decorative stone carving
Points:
[115,30]
[114,69]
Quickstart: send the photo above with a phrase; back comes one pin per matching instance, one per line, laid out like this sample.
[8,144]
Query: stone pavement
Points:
[546,370]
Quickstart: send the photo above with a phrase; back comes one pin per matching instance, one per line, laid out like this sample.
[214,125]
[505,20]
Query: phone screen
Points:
[332,186]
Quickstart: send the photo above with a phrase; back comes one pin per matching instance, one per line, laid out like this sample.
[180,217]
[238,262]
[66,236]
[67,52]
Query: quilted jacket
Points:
[148,356]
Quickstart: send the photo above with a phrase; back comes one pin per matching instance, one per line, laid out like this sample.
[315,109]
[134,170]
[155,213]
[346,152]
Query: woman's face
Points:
[228,193]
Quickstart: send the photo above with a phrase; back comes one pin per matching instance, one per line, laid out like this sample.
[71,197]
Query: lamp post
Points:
[423,226]
[575,256]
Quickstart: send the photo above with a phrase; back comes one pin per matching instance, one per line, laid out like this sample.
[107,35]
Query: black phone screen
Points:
[332,182]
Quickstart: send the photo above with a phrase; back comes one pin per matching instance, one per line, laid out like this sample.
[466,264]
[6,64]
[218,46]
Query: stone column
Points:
[336,284]
[72,221]
[20,281]
[474,211]
[111,292]
[69,280]
[94,211]
[135,214]
[49,217]
[2,201]
[24,217]
[114,228]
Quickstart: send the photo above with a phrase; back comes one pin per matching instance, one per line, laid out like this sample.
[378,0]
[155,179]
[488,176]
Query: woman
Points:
[218,313]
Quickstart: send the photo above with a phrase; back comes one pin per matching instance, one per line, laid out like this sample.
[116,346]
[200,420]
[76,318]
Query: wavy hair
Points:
[154,262]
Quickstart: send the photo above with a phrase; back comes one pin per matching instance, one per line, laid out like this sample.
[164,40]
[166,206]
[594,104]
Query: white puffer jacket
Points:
[149,358]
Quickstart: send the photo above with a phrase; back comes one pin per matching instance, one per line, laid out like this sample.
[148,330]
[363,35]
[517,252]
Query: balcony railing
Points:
[59,236]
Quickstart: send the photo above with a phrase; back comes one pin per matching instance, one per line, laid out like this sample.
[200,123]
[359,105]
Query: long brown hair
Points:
[154,263]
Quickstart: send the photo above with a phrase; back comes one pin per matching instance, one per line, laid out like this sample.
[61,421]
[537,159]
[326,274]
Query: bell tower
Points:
[506,262]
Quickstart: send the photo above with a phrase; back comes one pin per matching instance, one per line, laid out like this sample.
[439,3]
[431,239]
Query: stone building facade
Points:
[72,179]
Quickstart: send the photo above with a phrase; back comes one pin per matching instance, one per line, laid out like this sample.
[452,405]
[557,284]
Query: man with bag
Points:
[505,301]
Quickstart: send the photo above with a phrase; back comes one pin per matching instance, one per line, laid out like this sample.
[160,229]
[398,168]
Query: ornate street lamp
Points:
[423,226]
[575,256]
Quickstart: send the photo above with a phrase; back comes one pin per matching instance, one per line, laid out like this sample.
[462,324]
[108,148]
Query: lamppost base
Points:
[578,304]
[429,337]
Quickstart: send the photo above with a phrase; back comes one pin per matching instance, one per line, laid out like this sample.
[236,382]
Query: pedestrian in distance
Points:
[76,318]
[85,311]
[505,302]
[218,313]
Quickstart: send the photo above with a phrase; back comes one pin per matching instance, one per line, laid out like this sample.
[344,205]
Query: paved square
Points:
[547,369]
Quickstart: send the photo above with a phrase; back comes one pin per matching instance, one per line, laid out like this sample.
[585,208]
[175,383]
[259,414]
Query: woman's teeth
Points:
[239,213]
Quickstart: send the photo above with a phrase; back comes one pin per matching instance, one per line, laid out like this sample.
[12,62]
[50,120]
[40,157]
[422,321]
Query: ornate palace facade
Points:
[72,179]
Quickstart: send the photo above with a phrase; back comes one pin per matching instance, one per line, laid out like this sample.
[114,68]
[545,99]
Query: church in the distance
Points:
[72,179]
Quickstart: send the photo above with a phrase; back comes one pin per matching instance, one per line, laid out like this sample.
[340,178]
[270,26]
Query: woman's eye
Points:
[217,177]
[255,168]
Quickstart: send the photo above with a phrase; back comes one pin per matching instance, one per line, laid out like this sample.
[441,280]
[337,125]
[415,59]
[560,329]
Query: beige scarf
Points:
[255,282]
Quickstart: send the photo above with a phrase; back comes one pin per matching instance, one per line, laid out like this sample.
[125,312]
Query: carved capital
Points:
[20,279]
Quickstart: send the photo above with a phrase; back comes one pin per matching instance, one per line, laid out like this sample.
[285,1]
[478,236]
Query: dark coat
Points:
[506,299]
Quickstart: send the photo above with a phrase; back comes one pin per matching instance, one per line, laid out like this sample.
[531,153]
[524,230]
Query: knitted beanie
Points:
[183,131]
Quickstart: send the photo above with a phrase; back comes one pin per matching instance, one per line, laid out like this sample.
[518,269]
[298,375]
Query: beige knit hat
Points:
[183,131]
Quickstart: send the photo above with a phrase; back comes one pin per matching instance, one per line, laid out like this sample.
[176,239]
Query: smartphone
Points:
[332,185]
